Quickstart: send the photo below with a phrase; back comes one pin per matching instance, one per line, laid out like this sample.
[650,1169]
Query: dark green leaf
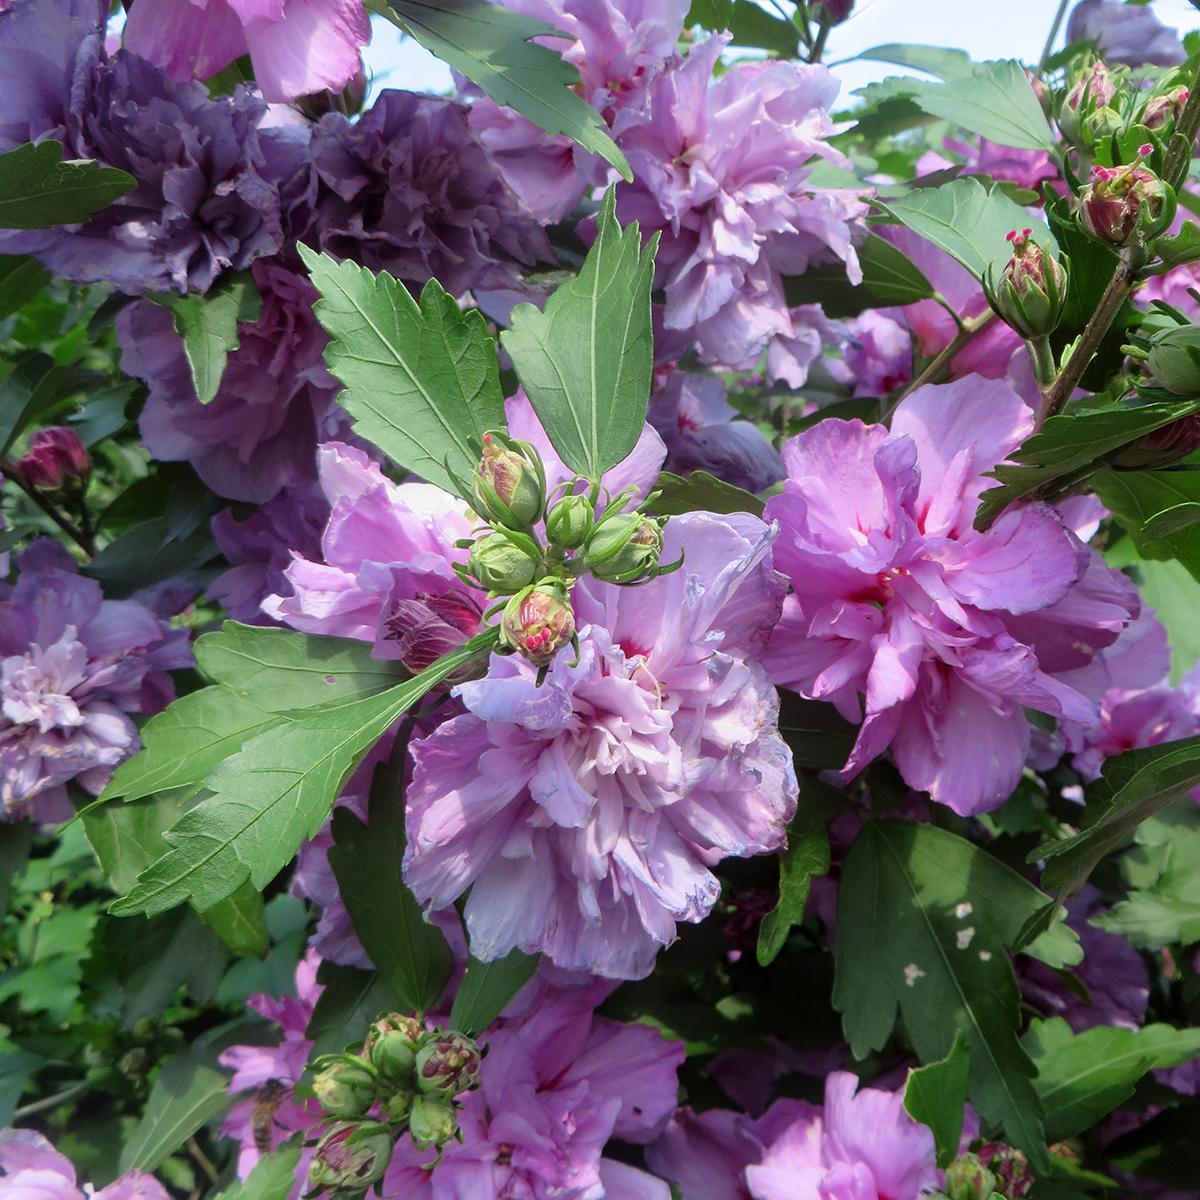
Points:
[995,101]
[187,1094]
[208,325]
[148,554]
[491,46]
[17,1068]
[127,838]
[806,857]
[34,386]
[818,735]
[1160,509]
[487,988]
[351,1000]
[38,190]
[889,277]
[710,14]
[407,950]
[1083,1077]
[15,839]
[585,361]
[240,922]
[935,60]
[1135,785]
[421,383]
[273,1176]
[1069,447]
[936,1096]
[701,492]
[1176,251]
[20,280]
[752,25]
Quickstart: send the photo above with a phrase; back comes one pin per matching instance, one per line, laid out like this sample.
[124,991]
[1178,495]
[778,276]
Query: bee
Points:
[267,1100]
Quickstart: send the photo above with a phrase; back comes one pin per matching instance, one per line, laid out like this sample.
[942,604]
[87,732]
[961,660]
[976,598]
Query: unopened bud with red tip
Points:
[391,1045]
[448,1064]
[1091,94]
[1161,112]
[1126,205]
[538,621]
[56,456]
[345,1085]
[624,549]
[1032,290]
[1010,1168]
[968,1179]
[510,485]
[350,1157]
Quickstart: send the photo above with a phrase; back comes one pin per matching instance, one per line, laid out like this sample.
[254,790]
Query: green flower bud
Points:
[499,565]
[432,1122]
[345,1085]
[510,487]
[1174,361]
[396,1108]
[1032,290]
[968,1179]
[538,621]
[1092,91]
[1126,205]
[569,522]
[391,1045]
[351,1156]
[448,1064]
[624,549]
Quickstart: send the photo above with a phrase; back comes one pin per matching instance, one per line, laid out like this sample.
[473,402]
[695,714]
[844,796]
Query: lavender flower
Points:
[276,400]
[72,667]
[1125,33]
[32,1169]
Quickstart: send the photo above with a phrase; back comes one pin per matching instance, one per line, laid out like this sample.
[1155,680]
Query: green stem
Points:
[80,537]
[936,366]
[1042,358]
[818,49]
[1183,142]
[1052,36]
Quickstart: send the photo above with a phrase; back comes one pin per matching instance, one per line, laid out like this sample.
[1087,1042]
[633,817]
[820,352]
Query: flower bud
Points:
[968,1179]
[538,622]
[1161,112]
[834,11]
[396,1107]
[350,1157]
[1032,290]
[1011,1169]
[1174,360]
[55,455]
[1094,90]
[1126,205]
[448,1064]
[501,566]
[391,1045]
[1160,448]
[624,548]
[432,1122]
[345,1085]
[569,522]
[508,486]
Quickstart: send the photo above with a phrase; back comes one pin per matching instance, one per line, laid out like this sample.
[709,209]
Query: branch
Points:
[1052,36]
[937,365]
[82,538]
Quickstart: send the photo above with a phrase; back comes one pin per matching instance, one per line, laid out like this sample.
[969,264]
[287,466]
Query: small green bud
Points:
[345,1085]
[569,522]
[448,1064]
[538,621]
[624,548]
[968,1179]
[351,1156]
[391,1045]
[432,1122]
[396,1107]
[1174,360]
[510,486]
[1032,291]
[500,566]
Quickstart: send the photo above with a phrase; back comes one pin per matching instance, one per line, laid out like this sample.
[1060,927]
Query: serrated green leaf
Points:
[127,838]
[487,988]
[350,1001]
[407,950]
[806,857]
[1134,785]
[1083,1077]
[585,361]
[274,794]
[889,277]
[924,918]
[752,25]
[935,60]
[709,14]
[966,220]
[421,382]
[240,922]
[187,1094]
[1160,509]
[995,101]
[273,1176]
[208,325]
[492,47]
[1069,447]
[284,671]
[936,1096]
[38,190]
[701,492]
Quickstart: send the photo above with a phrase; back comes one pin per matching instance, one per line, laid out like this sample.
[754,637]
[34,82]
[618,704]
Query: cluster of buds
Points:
[1127,205]
[1032,290]
[405,1078]
[56,460]
[535,546]
[993,1170]
[1087,113]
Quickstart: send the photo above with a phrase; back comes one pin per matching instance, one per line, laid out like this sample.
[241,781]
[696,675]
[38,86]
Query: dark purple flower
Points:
[1128,33]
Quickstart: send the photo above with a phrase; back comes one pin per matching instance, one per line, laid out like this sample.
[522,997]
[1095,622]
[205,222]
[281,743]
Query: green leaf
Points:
[936,1096]
[149,553]
[38,190]
[127,838]
[709,14]
[1176,251]
[924,918]
[995,101]
[240,922]
[421,382]
[1160,509]
[34,386]
[818,736]
[701,492]
[1069,448]
[935,60]
[16,837]
[21,279]
[1134,785]
[585,362]
[964,219]
[187,1094]
[487,988]
[273,1176]
[889,277]
[208,325]
[492,47]
[806,857]
[410,953]
[1083,1077]
[284,671]
[351,1000]
[754,26]
[274,794]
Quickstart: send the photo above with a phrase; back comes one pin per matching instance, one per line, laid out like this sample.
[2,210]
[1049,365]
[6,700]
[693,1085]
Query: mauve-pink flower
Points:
[31,1169]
